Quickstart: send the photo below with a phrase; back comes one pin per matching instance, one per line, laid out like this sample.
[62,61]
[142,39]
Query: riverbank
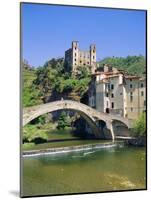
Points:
[137,141]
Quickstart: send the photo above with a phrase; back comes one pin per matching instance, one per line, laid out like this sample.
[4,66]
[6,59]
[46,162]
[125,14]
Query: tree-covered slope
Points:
[30,94]
[132,64]
[50,82]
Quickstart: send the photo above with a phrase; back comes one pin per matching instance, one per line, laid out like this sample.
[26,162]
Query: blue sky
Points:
[47,31]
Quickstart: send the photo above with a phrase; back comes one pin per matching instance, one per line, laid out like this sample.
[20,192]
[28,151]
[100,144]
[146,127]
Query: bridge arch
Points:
[89,114]
[36,111]
[120,128]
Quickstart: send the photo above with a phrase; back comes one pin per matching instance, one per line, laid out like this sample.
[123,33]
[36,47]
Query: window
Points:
[107,94]
[75,54]
[107,110]
[131,109]
[93,57]
[130,79]
[142,93]
[83,63]
[93,51]
[112,86]
[131,86]
[142,85]
[131,96]
[112,104]
[75,48]
[112,95]
[144,102]
[80,61]
[75,59]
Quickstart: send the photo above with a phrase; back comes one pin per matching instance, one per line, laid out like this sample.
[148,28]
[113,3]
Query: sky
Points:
[48,30]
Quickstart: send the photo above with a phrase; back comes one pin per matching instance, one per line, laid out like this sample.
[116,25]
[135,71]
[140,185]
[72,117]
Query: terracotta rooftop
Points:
[111,74]
[107,73]
[132,77]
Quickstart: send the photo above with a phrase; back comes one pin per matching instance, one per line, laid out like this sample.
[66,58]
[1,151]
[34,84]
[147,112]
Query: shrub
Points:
[139,127]
[63,121]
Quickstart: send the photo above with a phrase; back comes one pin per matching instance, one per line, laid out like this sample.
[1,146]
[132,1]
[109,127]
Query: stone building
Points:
[114,91]
[74,57]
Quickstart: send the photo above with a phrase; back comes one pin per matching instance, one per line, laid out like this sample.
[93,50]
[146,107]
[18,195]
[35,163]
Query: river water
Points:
[110,169]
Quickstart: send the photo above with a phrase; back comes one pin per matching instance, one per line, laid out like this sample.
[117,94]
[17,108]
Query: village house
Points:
[114,91]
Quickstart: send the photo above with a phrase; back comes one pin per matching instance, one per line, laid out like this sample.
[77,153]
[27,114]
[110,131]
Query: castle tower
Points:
[74,58]
[93,57]
[75,55]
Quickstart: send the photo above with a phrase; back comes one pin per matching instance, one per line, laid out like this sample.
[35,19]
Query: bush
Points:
[31,133]
[139,127]
[41,120]
[63,121]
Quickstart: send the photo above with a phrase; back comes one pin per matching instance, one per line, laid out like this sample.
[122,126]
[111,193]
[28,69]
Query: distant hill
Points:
[135,65]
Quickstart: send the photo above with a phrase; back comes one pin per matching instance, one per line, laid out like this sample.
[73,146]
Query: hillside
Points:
[132,64]
[30,93]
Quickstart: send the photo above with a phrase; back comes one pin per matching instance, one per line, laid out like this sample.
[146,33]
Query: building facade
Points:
[74,58]
[116,92]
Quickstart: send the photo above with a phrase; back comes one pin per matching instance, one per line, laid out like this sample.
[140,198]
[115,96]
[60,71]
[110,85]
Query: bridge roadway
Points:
[89,114]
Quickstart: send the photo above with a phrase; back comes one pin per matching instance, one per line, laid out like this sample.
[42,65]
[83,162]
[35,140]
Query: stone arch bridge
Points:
[89,114]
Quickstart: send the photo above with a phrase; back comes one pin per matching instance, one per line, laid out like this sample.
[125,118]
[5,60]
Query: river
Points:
[110,169]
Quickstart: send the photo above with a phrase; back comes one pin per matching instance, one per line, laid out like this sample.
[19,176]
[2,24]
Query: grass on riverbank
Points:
[47,132]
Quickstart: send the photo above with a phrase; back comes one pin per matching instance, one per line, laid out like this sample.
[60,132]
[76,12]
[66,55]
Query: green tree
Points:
[31,95]
[139,127]
[32,133]
[41,120]
[84,72]
[63,121]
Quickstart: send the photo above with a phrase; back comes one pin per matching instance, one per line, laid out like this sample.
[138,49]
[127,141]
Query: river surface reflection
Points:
[88,171]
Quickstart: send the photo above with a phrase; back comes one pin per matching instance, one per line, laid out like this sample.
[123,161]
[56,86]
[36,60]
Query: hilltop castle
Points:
[74,58]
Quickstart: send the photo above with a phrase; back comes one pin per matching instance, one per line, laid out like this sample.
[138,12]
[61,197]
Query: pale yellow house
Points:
[118,93]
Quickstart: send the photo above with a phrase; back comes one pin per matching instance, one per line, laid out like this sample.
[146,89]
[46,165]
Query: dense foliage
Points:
[132,64]
[34,134]
[63,121]
[51,79]
[139,127]
[31,95]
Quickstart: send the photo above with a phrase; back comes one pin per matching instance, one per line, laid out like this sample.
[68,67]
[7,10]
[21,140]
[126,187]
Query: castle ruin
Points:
[74,58]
